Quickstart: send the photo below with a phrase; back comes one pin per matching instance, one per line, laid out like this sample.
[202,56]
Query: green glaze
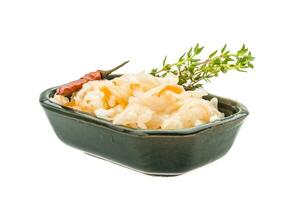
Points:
[154,152]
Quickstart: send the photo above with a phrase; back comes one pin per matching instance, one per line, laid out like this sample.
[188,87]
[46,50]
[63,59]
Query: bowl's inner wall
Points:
[224,105]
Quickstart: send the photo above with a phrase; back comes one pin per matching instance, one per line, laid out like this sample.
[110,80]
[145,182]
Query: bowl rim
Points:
[88,118]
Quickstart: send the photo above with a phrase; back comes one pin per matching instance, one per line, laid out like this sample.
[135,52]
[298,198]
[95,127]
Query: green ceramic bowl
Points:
[153,152]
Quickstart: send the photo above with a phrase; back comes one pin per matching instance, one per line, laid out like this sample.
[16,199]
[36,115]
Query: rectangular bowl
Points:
[153,152]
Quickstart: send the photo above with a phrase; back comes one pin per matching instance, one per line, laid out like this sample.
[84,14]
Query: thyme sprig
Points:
[192,71]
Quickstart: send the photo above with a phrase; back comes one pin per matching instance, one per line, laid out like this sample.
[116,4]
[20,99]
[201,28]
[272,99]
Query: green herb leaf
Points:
[224,48]
[213,53]
[164,62]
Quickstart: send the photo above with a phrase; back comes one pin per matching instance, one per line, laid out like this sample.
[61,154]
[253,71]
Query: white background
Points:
[46,43]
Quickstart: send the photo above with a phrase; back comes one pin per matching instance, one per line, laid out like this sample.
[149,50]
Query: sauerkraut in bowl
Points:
[143,101]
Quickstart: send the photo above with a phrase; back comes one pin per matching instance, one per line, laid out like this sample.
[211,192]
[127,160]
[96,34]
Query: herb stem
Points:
[191,71]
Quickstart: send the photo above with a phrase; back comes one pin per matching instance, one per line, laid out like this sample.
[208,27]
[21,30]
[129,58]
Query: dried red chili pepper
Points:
[71,87]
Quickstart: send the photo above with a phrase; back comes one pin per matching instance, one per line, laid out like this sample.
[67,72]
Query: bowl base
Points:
[143,172]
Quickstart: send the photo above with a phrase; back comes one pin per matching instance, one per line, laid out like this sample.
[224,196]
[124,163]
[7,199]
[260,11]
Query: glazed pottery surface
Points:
[154,152]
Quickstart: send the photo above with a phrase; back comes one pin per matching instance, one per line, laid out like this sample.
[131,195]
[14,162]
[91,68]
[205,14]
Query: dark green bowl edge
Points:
[242,112]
